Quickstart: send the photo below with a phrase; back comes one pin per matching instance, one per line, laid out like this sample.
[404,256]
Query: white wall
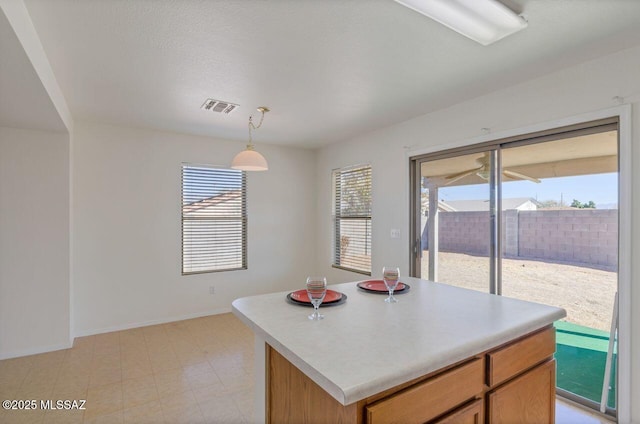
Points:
[573,91]
[34,241]
[127,231]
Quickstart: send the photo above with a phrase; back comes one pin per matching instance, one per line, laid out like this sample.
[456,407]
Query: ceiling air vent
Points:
[218,106]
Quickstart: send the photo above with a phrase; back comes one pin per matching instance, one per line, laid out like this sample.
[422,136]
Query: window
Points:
[352,203]
[214,219]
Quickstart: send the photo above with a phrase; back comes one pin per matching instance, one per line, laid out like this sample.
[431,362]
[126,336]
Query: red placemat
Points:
[301,296]
[379,287]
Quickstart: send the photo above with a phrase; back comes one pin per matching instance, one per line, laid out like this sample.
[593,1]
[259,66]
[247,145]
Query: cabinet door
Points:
[529,398]
[472,413]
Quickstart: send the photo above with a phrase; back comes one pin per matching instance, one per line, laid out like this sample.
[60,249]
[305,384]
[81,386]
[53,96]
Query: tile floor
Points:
[193,371]
[569,413]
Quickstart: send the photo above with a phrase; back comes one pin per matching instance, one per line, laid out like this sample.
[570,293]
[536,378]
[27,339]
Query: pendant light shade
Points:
[249,159]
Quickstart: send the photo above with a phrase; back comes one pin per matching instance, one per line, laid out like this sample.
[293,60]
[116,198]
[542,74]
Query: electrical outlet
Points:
[212,290]
[395,234]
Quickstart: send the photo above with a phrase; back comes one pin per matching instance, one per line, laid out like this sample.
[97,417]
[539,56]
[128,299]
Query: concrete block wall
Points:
[577,235]
[464,232]
[587,236]
[510,234]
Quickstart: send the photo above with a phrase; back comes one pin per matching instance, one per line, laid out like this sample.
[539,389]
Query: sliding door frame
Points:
[415,179]
[546,132]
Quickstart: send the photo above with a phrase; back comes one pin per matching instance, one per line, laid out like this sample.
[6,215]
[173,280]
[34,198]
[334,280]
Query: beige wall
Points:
[34,241]
[555,97]
[127,231]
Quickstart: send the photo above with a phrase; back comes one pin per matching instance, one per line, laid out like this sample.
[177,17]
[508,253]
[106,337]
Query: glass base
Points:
[316,316]
[391,299]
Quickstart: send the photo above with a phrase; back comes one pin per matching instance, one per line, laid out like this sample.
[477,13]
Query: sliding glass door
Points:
[457,220]
[563,250]
[533,218]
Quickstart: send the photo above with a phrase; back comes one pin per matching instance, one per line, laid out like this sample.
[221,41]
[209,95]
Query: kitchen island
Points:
[441,353]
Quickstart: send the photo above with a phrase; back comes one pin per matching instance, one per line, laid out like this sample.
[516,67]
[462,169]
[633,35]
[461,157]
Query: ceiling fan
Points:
[483,171]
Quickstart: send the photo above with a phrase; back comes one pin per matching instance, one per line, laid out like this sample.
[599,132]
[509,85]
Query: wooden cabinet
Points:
[472,413]
[529,398]
[294,398]
[426,400]
[516,357]
[514,383]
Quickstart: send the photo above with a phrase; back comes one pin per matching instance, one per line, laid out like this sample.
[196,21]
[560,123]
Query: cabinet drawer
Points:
[517,357]
[428,399]
[472,413]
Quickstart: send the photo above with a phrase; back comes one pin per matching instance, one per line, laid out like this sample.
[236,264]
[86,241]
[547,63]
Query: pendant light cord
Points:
[255,127]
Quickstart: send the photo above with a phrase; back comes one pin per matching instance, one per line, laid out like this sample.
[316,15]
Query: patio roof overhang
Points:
[580,155]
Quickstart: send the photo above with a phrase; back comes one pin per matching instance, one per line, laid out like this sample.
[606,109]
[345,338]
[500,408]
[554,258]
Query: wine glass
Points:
[316,290]
[390,276]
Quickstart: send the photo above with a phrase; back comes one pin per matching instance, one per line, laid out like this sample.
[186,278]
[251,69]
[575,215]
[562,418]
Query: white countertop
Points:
[365,345]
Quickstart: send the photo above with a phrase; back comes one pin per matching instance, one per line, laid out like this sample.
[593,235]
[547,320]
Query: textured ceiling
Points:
[328,69]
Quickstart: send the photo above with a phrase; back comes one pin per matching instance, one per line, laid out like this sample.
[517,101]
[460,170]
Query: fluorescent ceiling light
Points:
[484,21]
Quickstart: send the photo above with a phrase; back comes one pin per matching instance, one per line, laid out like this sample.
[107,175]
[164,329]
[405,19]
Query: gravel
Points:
[586,293]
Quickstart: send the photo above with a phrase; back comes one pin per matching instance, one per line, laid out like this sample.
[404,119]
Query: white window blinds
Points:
[352,200]
[214,219]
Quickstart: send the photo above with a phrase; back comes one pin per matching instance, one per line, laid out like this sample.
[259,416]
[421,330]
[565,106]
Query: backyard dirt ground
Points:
[586,293]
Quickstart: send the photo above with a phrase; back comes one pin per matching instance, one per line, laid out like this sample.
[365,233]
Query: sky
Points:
[601,188]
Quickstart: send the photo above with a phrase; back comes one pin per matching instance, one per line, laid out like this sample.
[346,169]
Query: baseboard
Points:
[35,350]
[91,332]
[129,326]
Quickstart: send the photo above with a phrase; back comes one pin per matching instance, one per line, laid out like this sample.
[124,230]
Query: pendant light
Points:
[249,159]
